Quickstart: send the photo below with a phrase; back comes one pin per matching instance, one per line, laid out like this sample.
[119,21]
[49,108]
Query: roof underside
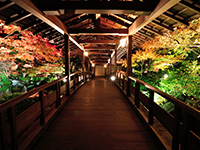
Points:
[97,25]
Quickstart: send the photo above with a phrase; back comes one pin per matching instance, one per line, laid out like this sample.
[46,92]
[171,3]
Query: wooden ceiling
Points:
[97,26]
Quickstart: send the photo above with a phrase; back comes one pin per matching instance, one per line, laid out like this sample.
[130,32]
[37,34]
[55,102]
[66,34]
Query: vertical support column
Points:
[83,66]
[89,65]
[3,133]
[110,69]
[128,71]
[176,127]
[115,61]
[67,62]
[151,101]
[42,116]
[12,119]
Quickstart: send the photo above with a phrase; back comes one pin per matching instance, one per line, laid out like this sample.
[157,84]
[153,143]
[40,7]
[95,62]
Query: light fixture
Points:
[86,53]
[64,80]
[93,65]
[122,42]
[105,66]
[166,76]
[112,78]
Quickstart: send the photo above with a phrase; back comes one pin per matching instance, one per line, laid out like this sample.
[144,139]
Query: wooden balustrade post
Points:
[115,61]
[42,115]
[137,93]
[67,61]
[3,134]
[128,71]
[74,82]
[177,118]
[151,101]
[83,66]
[186,125]
[12,119]
[58,102]
[123,81]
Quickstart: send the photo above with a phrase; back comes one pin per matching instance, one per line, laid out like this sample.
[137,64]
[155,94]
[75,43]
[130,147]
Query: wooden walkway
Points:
[98,117]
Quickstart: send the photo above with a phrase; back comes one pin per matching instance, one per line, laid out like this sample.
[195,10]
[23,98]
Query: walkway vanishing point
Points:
[98,117]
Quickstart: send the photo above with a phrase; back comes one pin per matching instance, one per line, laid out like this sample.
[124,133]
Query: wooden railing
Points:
[20,127]
[182,125]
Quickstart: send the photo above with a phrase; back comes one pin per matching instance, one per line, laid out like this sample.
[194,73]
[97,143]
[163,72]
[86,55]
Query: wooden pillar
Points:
[115,61]
[110,69]
[128,71]
[83,66]
[89,65]
[67,61]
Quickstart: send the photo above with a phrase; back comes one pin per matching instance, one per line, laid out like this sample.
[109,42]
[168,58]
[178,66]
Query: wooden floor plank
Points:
[98,117]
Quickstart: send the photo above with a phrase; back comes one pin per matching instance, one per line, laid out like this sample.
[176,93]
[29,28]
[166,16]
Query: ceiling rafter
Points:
[114,19]
[98,31]
[31,25]
[190,6]
[18,18]
[79,20]
[162,25]
[70,19]
[100,48]
[143,34]
[103,7]
[98,41]
[166,14]
[153,30]
[7,4]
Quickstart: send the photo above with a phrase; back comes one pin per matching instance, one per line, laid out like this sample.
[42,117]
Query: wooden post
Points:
[151,99]
[89,65]
[67,62]
[42,116]
[177,118]
[115,61]
[137,92]
[110,65]
[128,71]
[12,119]
[187,121]
[83,66]
[58,102]
[3,134]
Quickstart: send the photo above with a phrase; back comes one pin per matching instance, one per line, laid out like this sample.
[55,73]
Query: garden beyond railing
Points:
[182,125]
[21,125]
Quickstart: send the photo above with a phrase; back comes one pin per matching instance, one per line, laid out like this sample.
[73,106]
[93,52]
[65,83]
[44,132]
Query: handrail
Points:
[170,98]
[18,131]
[177,124]
[20,98]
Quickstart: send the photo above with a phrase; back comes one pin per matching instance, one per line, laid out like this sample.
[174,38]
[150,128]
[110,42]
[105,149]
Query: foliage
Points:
[176,54]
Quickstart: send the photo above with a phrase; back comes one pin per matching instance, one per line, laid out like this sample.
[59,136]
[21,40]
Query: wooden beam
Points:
[115,19]
[129,68]
[52,20]
[190,6]
[101,7]
[98,53]
[100,48]
[142,21]
[143,34]
[99,56]
[121,32]
[166,14]
[98,41]
[139,37]
[152,30]
[162,25]
[7,4]
[18,18]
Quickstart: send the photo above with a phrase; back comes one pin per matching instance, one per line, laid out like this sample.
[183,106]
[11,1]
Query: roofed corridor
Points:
[97,117]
